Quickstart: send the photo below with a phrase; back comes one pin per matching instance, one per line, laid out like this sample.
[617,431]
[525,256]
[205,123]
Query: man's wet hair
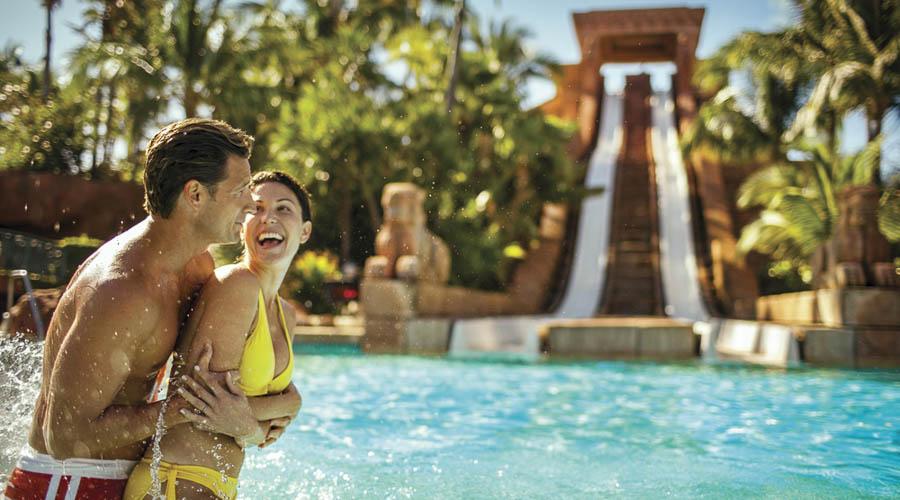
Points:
[195,148]
[291,183]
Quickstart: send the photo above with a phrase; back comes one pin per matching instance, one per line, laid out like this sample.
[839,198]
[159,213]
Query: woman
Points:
[240,314]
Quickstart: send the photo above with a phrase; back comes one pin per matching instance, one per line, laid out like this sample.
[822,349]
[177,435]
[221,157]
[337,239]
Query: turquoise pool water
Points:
[409,427]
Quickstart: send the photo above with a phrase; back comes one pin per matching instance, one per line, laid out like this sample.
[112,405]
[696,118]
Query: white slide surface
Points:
[678,263]
[518,335]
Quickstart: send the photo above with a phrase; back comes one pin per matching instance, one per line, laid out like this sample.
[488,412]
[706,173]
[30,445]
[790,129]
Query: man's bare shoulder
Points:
[117,264]
[121,296]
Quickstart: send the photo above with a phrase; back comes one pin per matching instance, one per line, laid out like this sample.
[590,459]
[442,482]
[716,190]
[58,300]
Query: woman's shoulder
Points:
[233,280]
[236,275]
[290,312]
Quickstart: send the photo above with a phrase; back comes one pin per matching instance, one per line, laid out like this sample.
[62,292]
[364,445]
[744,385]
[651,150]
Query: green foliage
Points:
[889,215]
[799,208]
[38,136]
[853,49]
[787,92]
[783,276]
[307,277]
[487,167]
[348,96]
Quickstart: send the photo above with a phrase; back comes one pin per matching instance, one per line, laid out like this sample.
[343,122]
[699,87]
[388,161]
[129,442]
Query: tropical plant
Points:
[757,83]
[799,206]
[776,97]
[487,166]
[855,49]
[314,86]
[307,280]
[35,134]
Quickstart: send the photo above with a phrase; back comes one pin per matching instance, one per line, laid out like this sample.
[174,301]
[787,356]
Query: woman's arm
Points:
[222,319]
[284,404]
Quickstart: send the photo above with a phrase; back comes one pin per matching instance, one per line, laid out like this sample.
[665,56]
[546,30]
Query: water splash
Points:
[156,458]
[20,381]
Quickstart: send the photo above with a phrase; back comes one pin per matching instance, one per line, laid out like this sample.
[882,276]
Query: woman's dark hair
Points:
[195,148]
[288,181]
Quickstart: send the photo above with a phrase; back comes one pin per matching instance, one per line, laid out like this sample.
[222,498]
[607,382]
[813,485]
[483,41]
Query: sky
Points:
[549,21]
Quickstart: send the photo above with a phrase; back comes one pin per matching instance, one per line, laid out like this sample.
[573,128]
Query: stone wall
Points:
[853,327]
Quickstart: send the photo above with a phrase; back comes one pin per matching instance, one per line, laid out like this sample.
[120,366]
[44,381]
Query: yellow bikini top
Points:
[257,368]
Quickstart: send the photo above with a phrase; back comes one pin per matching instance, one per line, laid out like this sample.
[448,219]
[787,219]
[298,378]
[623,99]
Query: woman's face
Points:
[275,229]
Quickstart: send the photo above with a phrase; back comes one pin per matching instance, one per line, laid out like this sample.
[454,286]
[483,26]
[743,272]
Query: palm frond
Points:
[889,215]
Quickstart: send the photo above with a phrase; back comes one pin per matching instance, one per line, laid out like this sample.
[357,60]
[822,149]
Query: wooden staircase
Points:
[633,284]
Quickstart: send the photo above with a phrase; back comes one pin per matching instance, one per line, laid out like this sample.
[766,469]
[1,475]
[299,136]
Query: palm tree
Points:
[745,122]
[798,201]
[855,47]
[838,50]
[49,5]
[454,56]
[123,70]
[190,25]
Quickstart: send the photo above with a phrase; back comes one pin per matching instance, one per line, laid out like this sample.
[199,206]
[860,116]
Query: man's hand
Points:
[276,429]
[219,407]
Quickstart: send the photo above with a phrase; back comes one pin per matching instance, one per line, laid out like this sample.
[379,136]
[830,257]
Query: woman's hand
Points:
[277,427]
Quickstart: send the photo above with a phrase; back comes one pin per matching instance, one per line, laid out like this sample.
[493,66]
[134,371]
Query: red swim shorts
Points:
[39,477]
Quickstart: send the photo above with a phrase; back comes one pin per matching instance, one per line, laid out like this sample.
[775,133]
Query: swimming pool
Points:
[414,427]
[396,426]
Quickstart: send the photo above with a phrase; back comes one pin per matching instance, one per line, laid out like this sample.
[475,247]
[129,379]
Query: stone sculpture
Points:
[857,254]
[404,247]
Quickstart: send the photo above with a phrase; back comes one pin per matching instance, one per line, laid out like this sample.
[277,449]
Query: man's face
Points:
[225,211]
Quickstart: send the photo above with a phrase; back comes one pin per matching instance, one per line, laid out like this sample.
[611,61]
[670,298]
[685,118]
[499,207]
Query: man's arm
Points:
[93,364]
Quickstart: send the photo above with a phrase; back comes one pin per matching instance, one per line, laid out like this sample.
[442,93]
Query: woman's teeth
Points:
[270,239]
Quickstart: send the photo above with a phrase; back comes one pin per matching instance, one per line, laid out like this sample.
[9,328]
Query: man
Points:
[118,321]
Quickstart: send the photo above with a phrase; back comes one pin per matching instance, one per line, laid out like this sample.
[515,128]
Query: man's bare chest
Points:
[158,346]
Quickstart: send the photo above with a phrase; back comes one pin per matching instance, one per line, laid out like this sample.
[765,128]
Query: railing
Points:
[48,262]
[38,263]
[32,302]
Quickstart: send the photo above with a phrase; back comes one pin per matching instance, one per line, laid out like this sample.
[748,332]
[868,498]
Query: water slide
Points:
[678,263]
[519,334]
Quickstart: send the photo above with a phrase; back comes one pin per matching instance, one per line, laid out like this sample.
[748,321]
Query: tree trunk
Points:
[372,205]
[190,97]
[874,118]
[344,215]
[454,56]
[335,8]
[109,140]
[192,60]
[48,44]
[95,136]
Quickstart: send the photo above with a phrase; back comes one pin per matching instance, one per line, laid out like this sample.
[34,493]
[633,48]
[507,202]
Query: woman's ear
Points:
[305,232]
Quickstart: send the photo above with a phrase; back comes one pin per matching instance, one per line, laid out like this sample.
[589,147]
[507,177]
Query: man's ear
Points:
[243,234]
[305,232]
[193,192]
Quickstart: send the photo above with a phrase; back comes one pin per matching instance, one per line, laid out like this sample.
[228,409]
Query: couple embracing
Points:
[151,291]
